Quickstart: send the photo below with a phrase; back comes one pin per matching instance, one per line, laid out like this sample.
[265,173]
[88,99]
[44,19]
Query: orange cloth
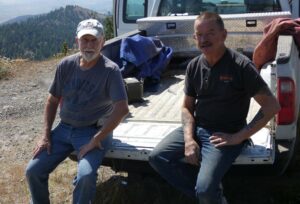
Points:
[266,49]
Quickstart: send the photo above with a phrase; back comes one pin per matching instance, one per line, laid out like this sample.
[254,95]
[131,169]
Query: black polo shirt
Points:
[222,92]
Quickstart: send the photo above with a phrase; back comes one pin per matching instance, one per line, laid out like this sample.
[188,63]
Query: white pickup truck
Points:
[274,146]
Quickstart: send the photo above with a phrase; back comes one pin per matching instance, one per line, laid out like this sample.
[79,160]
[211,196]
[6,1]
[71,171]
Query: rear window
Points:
[195,7]
[133,10]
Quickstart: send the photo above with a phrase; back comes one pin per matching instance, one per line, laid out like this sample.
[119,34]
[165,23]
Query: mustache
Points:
[89,50]
[205,44]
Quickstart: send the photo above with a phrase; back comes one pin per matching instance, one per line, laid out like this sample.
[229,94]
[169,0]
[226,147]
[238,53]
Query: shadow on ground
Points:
[263,190]
[153,190]
[138,190]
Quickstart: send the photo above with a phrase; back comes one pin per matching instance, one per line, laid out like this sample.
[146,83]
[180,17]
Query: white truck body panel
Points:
[152,7]
[287,48]
[135,141]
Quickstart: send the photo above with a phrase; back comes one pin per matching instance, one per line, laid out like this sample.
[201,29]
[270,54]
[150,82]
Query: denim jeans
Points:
[64,140]
[202,182]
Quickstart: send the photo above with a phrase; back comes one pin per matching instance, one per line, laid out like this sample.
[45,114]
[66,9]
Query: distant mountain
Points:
[42,36]
[18,19]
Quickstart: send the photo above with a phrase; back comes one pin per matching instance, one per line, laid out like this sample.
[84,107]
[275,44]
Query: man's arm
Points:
[120,110]
[188,122]
[269,107]
[49,117]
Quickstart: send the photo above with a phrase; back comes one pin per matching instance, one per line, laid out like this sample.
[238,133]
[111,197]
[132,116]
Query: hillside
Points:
[18,19]
[42,36]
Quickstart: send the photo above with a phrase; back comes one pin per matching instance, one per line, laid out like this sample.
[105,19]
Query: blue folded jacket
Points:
[144,57]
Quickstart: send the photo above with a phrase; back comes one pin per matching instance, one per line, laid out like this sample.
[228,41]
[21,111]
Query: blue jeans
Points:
[65,139]
[202,182]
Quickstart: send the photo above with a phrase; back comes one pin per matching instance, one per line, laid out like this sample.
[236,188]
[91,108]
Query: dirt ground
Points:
[22,97]
[23,93]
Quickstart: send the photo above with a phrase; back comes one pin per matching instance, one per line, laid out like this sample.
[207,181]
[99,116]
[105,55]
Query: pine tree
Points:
[109,30]
[64,48]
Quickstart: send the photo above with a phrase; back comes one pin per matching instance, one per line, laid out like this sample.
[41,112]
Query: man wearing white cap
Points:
[92,98]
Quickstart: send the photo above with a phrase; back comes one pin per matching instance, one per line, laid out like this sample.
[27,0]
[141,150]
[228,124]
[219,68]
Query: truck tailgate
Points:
[159,114]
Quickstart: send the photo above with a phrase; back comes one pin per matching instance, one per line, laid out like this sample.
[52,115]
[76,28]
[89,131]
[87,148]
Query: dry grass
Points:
[13,185]
[60,182]
[3,72]
[118,188]
[112,188]
[10,68]
[4,68]
[14,189]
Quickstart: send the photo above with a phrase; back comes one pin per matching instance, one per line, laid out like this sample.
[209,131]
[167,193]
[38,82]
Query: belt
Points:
[92,125]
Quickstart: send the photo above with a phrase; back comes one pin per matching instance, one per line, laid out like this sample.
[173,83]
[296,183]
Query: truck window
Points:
[195,7]
[133,10]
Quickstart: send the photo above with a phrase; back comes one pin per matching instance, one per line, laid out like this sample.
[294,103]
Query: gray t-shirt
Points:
[87,95]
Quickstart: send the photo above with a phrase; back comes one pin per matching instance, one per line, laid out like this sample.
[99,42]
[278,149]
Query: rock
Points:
[40,100]
[7,107]
[33,85]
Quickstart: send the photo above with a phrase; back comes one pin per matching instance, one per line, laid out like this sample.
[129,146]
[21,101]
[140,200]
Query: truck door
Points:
[126,12]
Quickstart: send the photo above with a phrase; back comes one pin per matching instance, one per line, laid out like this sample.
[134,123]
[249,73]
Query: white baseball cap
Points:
[90,27]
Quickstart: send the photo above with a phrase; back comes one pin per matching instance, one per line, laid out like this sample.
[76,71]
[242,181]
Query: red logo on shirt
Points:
[226,78]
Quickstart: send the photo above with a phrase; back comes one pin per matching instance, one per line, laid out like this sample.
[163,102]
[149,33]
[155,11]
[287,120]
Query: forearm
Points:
[119,112]
[191,148]
[50,114]
[258,122]
[188,124]
[263,116]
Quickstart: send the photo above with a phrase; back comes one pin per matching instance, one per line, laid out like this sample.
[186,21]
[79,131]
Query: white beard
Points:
[88,56]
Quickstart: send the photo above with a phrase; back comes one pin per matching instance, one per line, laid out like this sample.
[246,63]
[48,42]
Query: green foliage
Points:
[64,48]
[42,36]
[109,27]
[93,15]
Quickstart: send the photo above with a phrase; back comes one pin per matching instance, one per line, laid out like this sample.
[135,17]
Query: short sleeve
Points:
[116,87]
[56,87]
[253,82]
[189,88]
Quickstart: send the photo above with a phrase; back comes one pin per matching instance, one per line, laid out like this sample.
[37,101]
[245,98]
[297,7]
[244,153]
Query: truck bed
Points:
[159,114]
[163,105]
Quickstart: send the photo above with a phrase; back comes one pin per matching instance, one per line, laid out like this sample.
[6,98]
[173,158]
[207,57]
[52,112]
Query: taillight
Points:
[286,97]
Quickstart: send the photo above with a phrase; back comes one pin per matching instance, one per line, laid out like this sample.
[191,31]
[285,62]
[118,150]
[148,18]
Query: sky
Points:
[13,8]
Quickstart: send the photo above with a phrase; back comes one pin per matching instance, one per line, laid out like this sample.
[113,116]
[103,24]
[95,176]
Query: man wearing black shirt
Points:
[218,87]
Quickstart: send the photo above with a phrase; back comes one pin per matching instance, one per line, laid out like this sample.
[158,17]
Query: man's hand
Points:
[191,152]
[41,145]
[220,139]
[50,113]
[88,147]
